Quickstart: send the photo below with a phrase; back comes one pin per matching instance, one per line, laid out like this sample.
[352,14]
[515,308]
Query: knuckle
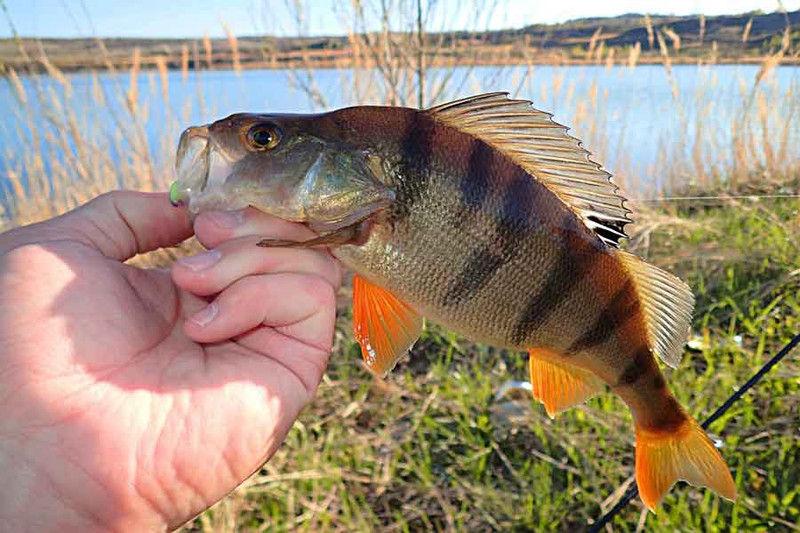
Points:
[113,198]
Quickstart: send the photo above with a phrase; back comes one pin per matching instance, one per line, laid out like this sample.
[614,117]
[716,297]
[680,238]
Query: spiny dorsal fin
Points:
[543,148]
[667,303]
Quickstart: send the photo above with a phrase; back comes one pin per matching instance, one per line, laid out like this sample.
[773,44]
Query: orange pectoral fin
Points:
[662,458]
[385,326]
[558,385]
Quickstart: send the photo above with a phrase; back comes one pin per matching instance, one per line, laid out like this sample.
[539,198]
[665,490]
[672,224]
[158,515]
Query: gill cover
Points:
[341,188]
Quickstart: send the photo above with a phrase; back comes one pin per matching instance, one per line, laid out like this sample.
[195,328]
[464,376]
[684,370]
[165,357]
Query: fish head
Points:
[284,165]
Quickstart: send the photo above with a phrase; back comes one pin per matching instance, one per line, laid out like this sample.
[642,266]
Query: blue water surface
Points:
[630,118]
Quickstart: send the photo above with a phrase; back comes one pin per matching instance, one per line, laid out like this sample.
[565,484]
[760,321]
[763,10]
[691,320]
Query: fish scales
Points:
[484,215]
[473,241]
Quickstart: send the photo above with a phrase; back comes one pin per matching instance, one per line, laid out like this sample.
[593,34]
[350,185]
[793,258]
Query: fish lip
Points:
[188,135]
[191,164]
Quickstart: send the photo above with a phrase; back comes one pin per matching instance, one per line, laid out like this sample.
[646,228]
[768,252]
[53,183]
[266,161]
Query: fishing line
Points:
[741,197]
[633,490]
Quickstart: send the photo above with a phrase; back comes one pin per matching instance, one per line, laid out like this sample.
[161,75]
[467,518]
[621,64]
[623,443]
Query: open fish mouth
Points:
[201,171]
[191,165]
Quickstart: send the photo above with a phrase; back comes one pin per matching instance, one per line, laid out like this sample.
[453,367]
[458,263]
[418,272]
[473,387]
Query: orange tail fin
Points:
[662,458]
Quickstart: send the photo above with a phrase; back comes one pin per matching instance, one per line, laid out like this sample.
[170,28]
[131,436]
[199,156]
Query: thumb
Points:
[118,224]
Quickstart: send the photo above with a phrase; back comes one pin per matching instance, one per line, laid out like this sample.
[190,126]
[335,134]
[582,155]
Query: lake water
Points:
[636,121]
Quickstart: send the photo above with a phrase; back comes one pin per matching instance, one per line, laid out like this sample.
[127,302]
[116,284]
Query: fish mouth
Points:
[191,165]
[201,171]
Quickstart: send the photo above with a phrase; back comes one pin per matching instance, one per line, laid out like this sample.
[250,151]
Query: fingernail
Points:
[227,219]
[204,317]
[201,261]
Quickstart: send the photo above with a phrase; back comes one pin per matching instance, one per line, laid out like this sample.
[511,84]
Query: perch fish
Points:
[485,216]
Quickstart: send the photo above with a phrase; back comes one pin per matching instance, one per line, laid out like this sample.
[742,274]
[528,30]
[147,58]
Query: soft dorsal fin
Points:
[385,326]
[545,150]
[667,303]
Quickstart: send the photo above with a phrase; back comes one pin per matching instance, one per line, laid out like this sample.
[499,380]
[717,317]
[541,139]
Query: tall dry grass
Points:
[68,153]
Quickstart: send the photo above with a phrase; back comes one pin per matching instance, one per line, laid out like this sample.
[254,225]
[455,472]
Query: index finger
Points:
[214,227]
[118,224]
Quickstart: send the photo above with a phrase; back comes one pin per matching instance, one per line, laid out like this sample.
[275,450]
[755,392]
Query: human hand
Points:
[127,402]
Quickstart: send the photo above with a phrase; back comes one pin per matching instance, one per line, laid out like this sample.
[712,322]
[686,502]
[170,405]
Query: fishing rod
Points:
[633,491]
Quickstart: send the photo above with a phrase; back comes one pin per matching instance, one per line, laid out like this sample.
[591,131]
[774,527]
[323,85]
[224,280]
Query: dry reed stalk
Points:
[19,90]
[697,148]
[161,68]
[674,37]
[209,52]
[233,42]
[788,127]
[633,56]
[648,23]
[421,71]
[133,89]
[196,55]
[702,31]
[570,93]
[667,62]
[598,56]
[109,65]
[610,59]
[746,31]
[766,142]
[773,60]
[593,42]
[54,72]
[184,63]
[98,96]
[558,83]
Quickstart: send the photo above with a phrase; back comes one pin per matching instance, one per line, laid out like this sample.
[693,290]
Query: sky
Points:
[194,18]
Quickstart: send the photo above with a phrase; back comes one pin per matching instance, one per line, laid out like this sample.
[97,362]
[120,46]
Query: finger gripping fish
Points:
[484,215]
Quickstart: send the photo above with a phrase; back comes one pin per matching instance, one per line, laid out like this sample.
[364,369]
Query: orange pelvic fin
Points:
[385,326]
[559,385]
[662,458]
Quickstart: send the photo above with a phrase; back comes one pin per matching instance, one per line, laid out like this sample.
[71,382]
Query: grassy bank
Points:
[431,448]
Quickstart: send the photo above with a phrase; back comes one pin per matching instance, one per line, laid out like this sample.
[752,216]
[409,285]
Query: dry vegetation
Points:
[431,447]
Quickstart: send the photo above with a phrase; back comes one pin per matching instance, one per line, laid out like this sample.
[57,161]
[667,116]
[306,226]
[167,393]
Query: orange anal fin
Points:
[385,326]
[662,458]
[559,385]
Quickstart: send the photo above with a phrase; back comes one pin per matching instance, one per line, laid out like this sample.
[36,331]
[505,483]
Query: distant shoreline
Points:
[149,65]
[631,39]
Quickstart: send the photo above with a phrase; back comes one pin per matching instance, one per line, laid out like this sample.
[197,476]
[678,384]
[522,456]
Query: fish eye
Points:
[263,137]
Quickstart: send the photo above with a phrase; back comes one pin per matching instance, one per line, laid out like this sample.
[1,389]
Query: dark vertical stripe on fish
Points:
[415,151]
[516,219]
[671,416]
[622,307]
[574,261]
[518,216]
[475,185]
[658,381]
[640,366]
[480,267]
